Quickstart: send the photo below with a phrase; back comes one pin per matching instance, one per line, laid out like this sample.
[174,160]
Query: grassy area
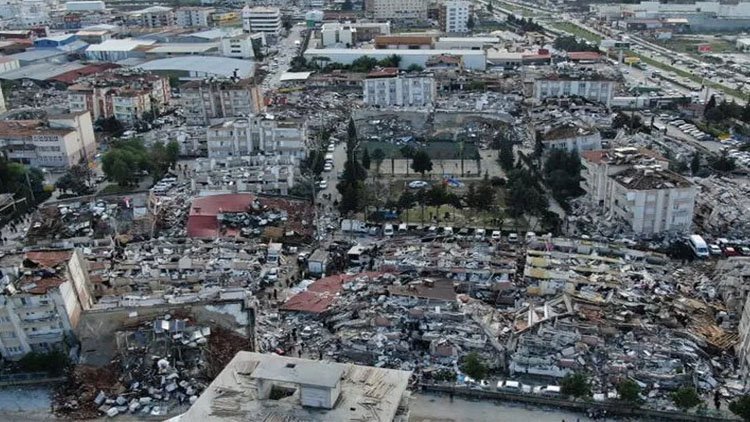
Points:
[437,150]
[576,30]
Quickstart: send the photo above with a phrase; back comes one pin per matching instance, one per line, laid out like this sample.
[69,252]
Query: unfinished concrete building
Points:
[257,386]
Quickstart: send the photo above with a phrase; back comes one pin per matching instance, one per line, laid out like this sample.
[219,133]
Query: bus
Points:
[698,245]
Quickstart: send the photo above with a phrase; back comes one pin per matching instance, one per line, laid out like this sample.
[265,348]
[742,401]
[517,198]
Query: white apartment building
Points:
[262,19]
[62,141]
[651,200]
[209,99]
[595,89]
[455,16]
[599,165]
[193,16]
[398,90]
[571,137]
[334,33]
[34,12]
[40,306]
[241,46]
[399,9]
[128,106]
[154,17]
[255,135]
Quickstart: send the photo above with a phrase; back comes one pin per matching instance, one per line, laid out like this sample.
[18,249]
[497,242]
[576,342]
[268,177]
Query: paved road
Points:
[279,63]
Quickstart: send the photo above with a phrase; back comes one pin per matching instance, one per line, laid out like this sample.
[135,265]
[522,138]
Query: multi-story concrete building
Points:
[250,136]
[241,46]
[591,87]
[385,87]
[44,294]
[60,141]
[154,17]
[193,16]
[399,9]
[454,16]
[599,165]
[262,19]
[651,200]
[208,99]
[571,137]
[335,33]
[124,94]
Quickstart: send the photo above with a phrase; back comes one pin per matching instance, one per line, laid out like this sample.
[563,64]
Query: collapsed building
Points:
[722,207]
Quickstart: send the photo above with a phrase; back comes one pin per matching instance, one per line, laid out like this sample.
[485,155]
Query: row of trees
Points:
[562,175]
[524,24]
[127,161]
[363,64]
[571,43]
[718,112]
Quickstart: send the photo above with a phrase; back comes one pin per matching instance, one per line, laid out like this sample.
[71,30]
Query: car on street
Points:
[418,184]
[328,167]
[513,238]
[496,235]
[323,184]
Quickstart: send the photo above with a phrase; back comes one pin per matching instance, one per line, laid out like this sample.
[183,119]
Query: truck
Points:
[355,226]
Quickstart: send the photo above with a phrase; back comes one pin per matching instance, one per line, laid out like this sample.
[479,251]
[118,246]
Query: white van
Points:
[402,228]
[388,230]
[448,231]
[479,234]
[698,245]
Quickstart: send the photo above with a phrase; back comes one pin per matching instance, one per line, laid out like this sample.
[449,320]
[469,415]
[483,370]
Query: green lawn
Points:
[576,30]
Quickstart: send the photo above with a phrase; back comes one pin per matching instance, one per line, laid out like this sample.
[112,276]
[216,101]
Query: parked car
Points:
[323,184]
[418,184]
[496,235]
[480,234]
[714,249]
[513,238]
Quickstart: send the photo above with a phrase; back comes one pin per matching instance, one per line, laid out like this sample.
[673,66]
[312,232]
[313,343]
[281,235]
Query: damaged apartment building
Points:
[635,187]
[206,100]
[44,293]
[124,94]
[253,135]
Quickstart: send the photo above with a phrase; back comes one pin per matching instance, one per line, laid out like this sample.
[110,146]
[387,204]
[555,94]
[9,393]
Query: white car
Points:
[323,184]
[331,147]
[513,238]
[418,184]
[272,274]
[328,167]
[496,235]
[479,234]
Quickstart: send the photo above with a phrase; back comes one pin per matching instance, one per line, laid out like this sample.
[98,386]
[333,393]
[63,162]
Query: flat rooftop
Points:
[367,393]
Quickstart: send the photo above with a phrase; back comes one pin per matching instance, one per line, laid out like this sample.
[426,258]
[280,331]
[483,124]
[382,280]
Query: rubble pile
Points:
[387,321]
[78,397]
[722,207]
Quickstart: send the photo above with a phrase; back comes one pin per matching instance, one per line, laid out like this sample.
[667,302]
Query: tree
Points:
[378,155]
[474,367]
[366,159]
[629,391]
[347,6]
[524,194]
[125,160]
[173,152]
[686,398]
[111,125]
[741,407]
[723,163]
[490,7]
[562,174]
[75,179]
[414,68]
[710,105]
[351,187]
[505,155]
[421,163]
[470,22]
[695,163]
[576,385]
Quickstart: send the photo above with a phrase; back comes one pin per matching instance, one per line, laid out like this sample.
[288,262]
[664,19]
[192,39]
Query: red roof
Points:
[584,55]
[320,295]
[383,73]
[39,285]
[49,259]
[594,156]
[73,75]
[202,221]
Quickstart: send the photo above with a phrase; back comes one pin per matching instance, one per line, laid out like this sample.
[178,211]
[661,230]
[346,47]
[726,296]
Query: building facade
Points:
[651,200]
[599,90]
[392,89]
[41,305]
[599,165]
[251,136]
[208,99]
[454,16]
[124,94]
[262,19]
[60,141]
[241,46]
[399,9]
[571,138]
[193,16]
